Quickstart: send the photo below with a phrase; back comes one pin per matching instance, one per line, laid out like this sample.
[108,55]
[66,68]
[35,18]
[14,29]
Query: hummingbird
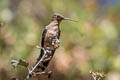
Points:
[50,39]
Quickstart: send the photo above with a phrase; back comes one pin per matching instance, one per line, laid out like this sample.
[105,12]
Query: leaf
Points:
[15,63]
[23,63]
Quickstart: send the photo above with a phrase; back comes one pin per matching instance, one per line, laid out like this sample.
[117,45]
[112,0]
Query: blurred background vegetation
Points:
[92,43]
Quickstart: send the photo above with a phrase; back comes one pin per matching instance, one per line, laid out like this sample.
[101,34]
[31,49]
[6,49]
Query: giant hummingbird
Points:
[50,39]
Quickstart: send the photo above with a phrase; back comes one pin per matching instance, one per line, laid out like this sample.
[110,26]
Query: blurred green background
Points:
[92,43]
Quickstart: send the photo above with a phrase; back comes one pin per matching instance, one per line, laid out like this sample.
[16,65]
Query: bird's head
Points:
[58,17]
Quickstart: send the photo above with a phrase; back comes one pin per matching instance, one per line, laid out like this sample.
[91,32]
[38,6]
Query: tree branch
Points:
[31,72]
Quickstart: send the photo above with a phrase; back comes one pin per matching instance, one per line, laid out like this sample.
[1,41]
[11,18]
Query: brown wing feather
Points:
[42,43]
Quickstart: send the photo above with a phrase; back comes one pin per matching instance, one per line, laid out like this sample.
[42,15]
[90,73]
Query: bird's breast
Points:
[50,35]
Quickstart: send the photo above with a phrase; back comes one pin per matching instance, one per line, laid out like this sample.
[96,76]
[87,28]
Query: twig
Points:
[43,72]
[31,71]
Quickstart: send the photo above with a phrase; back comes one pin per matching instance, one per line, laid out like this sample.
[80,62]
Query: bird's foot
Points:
[48,50]
[55,43]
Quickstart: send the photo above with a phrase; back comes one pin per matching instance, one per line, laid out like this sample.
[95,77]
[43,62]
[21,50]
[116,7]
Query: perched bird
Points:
[50,39]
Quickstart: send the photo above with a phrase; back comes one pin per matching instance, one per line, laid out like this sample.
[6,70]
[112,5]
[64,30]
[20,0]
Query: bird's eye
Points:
[58,17]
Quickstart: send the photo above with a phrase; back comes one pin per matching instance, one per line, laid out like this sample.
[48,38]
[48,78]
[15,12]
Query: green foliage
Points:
[16,63]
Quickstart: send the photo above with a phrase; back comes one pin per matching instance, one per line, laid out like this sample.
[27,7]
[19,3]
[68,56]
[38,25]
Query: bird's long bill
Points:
[70,19]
